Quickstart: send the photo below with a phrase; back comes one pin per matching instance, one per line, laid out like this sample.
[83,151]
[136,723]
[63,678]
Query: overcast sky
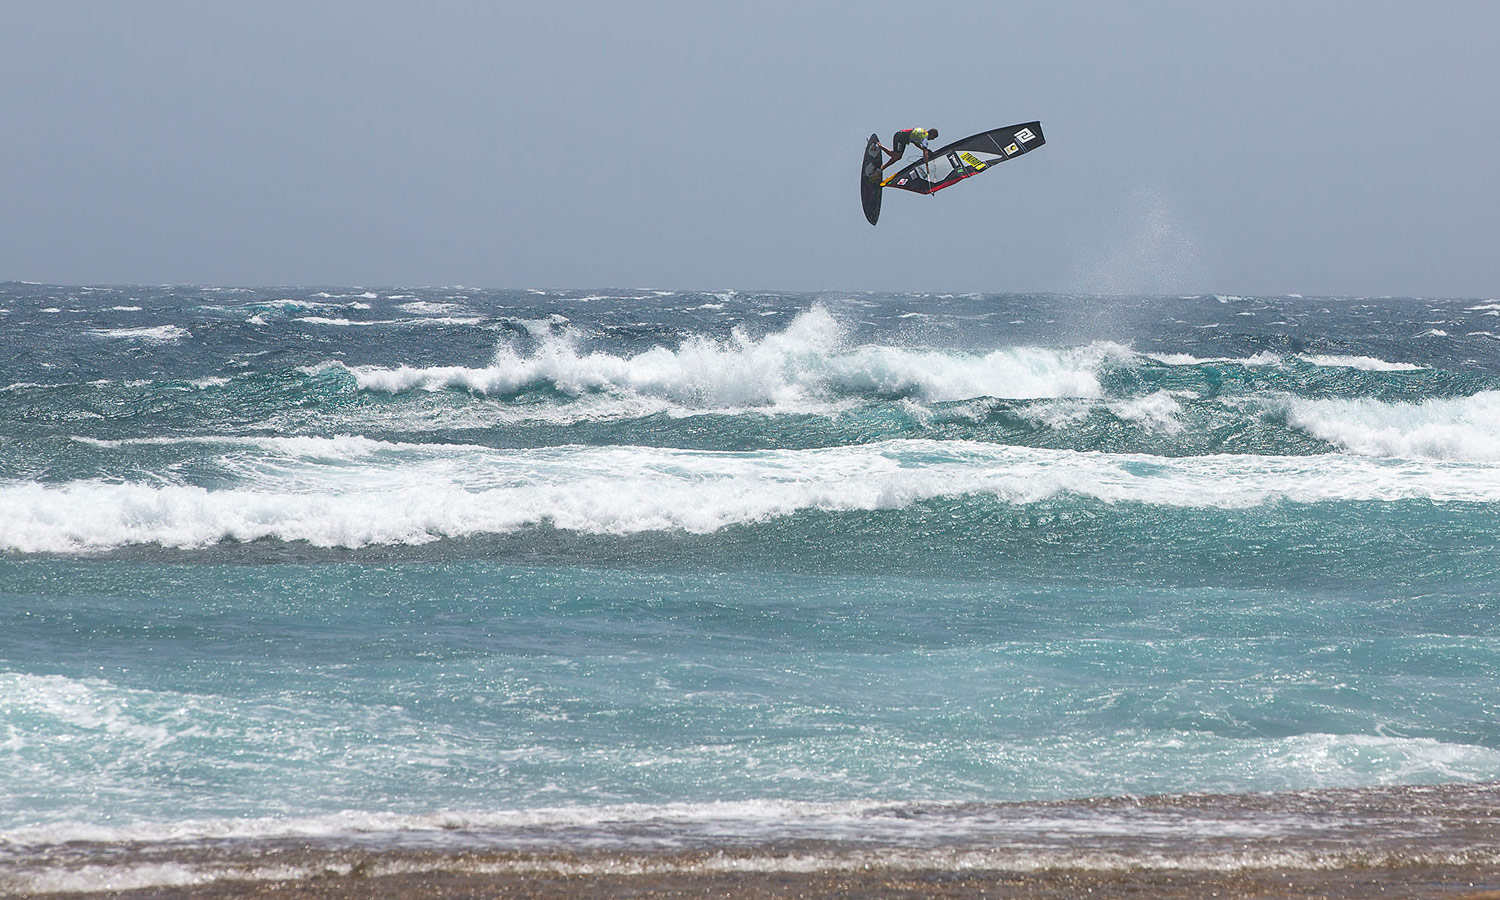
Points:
[1268,147]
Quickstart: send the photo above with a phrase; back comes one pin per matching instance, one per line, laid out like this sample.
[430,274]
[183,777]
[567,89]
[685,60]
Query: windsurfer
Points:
[917,137]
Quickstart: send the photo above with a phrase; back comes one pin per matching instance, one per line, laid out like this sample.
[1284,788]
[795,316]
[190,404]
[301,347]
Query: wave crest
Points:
[306,490]
[1465,429]
[808,363]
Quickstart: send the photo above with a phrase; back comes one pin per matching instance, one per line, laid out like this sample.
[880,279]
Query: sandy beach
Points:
[568,882]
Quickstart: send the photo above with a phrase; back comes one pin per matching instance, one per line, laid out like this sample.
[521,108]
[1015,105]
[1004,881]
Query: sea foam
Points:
[811,361]
[1463,429]
[161,334]
[302,489]
[1363,363]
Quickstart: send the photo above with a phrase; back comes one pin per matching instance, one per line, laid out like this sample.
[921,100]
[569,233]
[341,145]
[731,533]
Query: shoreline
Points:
[1407,841]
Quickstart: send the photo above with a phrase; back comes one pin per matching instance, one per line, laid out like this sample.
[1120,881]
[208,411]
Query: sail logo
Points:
[1025,134]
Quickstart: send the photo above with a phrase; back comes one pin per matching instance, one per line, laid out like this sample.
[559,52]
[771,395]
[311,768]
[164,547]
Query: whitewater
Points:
[891,574]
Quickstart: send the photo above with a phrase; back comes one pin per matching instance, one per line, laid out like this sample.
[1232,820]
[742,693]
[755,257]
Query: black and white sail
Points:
[968,157]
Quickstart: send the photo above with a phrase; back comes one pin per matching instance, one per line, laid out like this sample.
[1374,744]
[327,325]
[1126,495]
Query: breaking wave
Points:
[1461,429]
[810,362]
[306,489]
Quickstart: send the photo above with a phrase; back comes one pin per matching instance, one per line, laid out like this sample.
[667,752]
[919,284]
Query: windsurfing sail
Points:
[968,157]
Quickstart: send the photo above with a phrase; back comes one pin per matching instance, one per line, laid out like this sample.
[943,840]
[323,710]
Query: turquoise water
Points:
[360,561]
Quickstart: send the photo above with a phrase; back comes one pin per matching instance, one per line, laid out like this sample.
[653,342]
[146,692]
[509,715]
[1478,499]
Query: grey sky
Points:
[1268,147]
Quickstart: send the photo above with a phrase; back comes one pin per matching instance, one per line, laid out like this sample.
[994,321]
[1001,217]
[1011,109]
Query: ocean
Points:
[788,581]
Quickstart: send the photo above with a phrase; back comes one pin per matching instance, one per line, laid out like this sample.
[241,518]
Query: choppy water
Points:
[341,562]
